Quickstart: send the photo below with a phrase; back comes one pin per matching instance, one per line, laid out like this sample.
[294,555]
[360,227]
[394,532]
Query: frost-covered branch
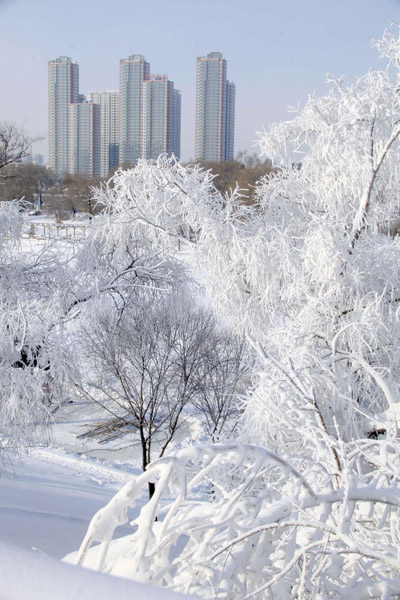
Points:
[236,510]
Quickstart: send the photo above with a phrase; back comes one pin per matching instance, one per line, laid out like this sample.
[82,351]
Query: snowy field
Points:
[49,495]
[31,576]
[47,499]
[46,503]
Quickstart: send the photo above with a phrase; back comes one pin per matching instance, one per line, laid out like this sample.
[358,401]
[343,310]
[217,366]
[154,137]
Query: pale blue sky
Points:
[278,51]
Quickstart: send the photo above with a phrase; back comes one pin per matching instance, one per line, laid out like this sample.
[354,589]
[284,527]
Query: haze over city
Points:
[271,49]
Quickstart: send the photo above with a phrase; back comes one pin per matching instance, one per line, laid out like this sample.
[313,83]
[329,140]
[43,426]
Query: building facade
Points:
[215,110]
[109,129]
[230,97]
[84,136]
[161,117]
[63,88]
[177,125]
[133,71]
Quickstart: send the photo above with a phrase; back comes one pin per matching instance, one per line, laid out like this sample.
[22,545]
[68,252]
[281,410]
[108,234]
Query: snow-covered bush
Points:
[240,521]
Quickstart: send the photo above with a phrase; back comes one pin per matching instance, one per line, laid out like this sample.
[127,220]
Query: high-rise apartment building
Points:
[215,109]
[133,71]
[63,90]
[93,136]
[84,139]
[161,117]
[109,129]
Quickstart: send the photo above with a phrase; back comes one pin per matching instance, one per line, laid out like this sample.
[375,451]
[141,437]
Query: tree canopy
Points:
[243,172]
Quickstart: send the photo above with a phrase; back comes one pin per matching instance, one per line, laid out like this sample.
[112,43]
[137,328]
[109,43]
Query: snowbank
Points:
[28,575]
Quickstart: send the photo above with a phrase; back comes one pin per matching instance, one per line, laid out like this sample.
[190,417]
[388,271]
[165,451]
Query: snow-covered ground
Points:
[30,576]
[49,499]
[49,495]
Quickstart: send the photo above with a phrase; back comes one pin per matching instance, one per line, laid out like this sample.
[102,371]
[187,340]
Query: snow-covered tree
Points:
[45,289]
[32,365]
[311,275]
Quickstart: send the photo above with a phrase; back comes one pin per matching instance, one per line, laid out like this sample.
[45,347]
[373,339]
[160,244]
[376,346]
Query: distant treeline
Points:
[72,193]
[244,171]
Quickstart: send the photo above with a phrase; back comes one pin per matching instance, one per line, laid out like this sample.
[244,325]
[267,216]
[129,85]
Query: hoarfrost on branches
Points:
[32,369]
[46,290]
[311,275]
[266,532]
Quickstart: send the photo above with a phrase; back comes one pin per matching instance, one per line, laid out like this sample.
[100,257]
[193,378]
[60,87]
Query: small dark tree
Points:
[224,172]
[243,172]
[154,364]
[28,181]
[77,190]
[15,143]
